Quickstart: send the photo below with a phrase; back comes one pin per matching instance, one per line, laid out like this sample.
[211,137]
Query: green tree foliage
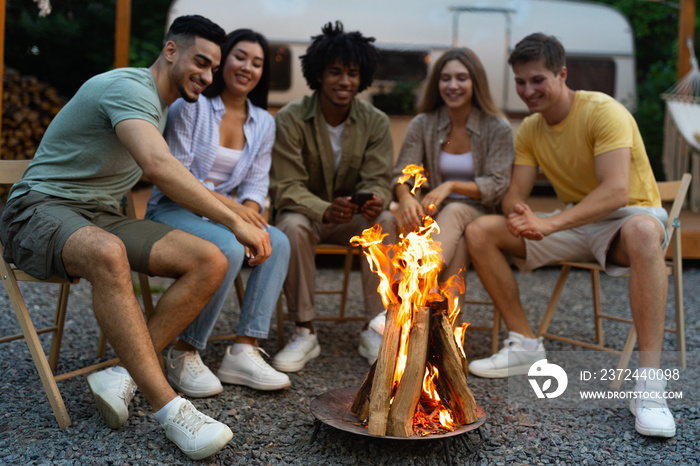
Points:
[76,41]
[401,100]
[655,26]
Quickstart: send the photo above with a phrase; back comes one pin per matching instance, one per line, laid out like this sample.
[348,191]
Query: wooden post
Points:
[400,423]
[384,374]
[686,29]
[122,33]
[2,59]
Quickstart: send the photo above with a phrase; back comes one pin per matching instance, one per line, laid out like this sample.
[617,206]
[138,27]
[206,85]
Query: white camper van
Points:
[412,33]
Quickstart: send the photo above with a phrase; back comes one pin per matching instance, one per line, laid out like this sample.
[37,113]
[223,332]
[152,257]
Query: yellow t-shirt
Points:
[566,152]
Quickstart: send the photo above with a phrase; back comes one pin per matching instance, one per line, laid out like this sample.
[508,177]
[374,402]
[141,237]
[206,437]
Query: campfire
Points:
[418,385]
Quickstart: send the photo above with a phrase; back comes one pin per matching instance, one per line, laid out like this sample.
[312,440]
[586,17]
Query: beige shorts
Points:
[587,243]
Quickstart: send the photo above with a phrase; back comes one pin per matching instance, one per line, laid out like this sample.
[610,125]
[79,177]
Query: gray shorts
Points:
[587,243]
[34,228]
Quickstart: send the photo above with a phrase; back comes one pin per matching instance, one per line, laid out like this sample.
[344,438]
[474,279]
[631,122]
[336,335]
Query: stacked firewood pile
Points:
[28,106]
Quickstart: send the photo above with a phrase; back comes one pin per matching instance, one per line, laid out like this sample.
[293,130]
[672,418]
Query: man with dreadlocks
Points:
[329,146]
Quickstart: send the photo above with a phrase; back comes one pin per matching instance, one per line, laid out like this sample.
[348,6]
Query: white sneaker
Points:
[195,433]
[377,324]
[113,392]
[512,359]
[250,369]
[369,344]
[650,408]
[301,348]
[188,375]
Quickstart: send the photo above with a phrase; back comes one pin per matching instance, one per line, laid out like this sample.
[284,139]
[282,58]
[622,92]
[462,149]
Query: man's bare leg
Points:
[639,247]
[100,258]
[488,239]
[199,268]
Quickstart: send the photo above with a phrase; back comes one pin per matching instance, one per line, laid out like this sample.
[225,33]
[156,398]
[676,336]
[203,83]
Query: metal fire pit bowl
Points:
[333,408]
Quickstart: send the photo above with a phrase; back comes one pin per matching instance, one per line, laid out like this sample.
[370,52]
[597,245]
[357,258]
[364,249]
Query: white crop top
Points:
[456,167]
[224,163]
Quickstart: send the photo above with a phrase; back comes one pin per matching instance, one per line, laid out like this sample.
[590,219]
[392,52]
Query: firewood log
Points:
[360,407]
[451,383]
[408,393]
[384,374]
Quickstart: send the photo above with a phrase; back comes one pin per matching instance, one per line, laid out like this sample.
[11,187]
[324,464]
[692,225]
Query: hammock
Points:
[682,128]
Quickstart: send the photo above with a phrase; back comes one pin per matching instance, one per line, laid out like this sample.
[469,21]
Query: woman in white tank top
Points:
[225,140]
[465,144]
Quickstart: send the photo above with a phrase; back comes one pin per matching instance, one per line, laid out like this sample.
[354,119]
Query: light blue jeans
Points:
[264,284]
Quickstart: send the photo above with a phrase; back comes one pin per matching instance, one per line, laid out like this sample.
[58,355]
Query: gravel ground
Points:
[276,428]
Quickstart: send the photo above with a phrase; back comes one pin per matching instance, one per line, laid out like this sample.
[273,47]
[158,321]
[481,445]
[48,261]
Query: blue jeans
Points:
[264,284]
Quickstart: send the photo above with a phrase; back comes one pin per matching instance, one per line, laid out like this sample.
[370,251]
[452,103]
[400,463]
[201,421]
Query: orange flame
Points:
[429,388]
[416,261]
[413,170]
[402,357]
[446,420]
[459,337]
[377,255]
[454,286]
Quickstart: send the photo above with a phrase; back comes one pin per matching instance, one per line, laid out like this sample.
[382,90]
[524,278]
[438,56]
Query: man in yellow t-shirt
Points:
[589,147]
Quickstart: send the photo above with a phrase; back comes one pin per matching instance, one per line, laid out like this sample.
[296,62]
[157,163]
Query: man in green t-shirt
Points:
[590,148]
[62,219]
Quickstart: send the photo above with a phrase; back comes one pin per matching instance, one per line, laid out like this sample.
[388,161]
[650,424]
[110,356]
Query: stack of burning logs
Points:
[418,385]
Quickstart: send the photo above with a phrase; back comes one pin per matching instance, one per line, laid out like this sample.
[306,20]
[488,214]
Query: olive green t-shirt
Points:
[80,156]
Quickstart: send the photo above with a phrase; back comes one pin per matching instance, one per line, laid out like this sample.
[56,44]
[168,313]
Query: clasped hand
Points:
[250,215]
[259,247]
[523,222]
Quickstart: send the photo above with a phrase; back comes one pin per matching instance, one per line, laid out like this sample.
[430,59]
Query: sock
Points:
[531,344]
[163,412]
[642,372]
[238,347]
[121,370]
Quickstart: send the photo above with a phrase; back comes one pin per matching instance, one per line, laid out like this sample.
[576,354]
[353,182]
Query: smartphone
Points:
[359,199]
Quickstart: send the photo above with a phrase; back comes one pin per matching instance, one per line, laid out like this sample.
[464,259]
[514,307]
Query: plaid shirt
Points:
[492,150]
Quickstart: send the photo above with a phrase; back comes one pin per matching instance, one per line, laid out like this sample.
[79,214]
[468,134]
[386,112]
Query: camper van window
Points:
[280,67]
[398,65]
[591,74]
